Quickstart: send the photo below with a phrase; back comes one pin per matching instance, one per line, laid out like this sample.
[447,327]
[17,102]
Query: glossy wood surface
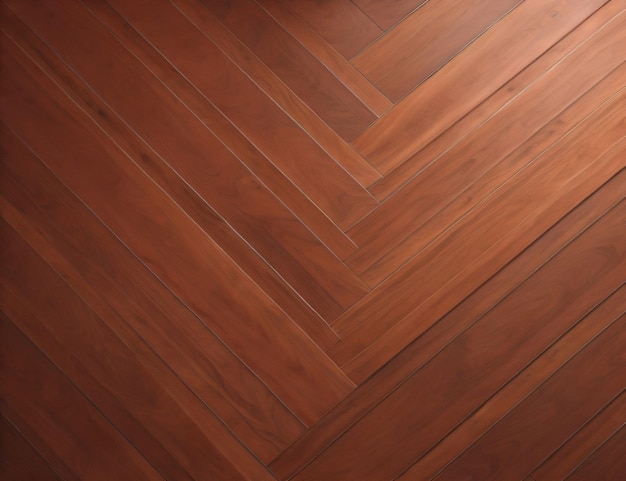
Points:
[312,240]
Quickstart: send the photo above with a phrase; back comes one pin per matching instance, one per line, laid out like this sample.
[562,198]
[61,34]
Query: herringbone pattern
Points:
[313,240]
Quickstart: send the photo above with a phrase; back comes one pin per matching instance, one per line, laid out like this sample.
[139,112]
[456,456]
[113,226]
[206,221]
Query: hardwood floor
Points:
[313,240]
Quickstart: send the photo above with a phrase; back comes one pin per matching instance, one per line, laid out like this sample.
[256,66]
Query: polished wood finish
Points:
[312,240]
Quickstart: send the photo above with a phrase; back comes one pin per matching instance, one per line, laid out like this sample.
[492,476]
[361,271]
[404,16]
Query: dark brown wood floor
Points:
[313,240]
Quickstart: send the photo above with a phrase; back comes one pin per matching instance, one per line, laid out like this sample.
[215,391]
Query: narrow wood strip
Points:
[489,236]
[91,447]
[386,13]
[418,353]
[118,278]
[514,446]
[492,105]
[19,460]
[584,442]
[505,400]
[481,360]
[607,463]
[310,73]
[534,225]
[335,62]
[209,220]
[420,45]
[476,167]
[301,159]
[341,23]
[226,184]
[467,80]
[127,201]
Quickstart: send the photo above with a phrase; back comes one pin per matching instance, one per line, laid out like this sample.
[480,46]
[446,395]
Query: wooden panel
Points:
[489,236]
[492,105]
[386,13]
[514,446]
[339,22]
[289,61]
[478,165]
[418,353]
[425,41]
[85,441]
[481,360]
[584,442]
[19,461]
[203,276]
[467,80]
[224,182]
[340,67]
[260,119]
[607,463]
[191,350]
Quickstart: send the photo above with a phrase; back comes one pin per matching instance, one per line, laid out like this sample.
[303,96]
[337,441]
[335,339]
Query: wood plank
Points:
[418,353]
[91,447]
[341,23]
[506,400]
[472,170]
[385,13]
[198,357]
[106,369]
[584,442]
[425,41]
[285,58]
[301,159]
[491,106]
[19,460]
[481,360]
[202,276]
[606,463]
[484,241]
[227,185]
[467,80]
[335,62]
[308,84]
[541,422]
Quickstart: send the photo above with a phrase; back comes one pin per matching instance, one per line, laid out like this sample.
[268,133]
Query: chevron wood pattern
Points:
[313,240]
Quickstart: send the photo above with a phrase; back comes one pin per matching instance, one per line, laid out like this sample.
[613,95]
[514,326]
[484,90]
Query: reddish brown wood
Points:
[467,80]
[386,13]
[481,360]
[19,461]
[339,22]
[425,41]
[371,392]
[584,442]
[202,276]
[607,463]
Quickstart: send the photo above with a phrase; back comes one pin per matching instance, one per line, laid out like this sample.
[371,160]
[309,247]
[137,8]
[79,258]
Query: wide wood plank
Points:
[584,442]
[257,116]
[385,13]
[288,60]
[420,45]
[489,236]
[91,447]
[341,23]
[467,80]
[514,446]
[182,142]
[418,353]
[481,360]
[203,276]
[19,461]
[607,463]
[492,105]
[477,166]
[197,356]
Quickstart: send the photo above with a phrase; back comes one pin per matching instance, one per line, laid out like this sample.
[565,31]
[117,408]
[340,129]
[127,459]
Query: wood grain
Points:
[606,463]
[386,13]
[488,63]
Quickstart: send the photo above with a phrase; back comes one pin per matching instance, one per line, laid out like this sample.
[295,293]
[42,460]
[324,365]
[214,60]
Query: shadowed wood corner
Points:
[313,240]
